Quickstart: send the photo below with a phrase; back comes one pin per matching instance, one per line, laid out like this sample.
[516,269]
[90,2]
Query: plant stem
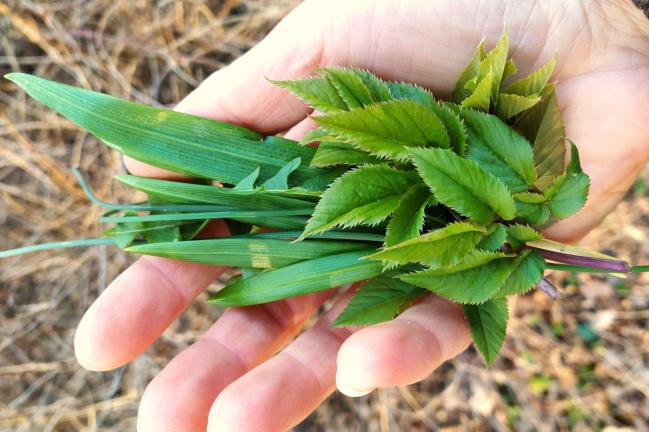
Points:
[576,268]
[57,245]
[640,269]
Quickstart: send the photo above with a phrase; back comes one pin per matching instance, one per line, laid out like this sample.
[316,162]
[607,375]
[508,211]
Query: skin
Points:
[247,373]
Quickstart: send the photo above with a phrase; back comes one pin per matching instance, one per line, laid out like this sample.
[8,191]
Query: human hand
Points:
[232,373]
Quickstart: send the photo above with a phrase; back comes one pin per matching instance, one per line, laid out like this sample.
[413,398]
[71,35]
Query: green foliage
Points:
[440,248]
[387,129]
[488,324]
[501,150]
[463,185]
[297,279]
[379,300]
[408,218]
[476,279]
[454,191]
[365,195]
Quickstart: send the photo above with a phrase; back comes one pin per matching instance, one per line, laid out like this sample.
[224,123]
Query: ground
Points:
[576,364]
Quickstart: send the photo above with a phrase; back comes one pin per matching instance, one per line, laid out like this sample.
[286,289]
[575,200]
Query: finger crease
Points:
[166,279]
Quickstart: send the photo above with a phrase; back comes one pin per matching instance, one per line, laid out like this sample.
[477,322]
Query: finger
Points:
[138,306]
[403,351]
[179,398]
[281,392]
[611,154]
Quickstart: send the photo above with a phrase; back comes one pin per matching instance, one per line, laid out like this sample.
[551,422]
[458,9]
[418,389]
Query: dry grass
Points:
[578,364]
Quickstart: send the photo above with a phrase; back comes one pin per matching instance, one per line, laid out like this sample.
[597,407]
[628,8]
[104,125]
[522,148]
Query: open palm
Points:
[234,375]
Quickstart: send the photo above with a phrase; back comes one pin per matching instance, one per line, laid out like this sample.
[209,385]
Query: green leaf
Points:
[510,105]
[521,234]
[532,207]
[280,180]
[380,299]
[368,195]
[527,272]
[463,185]
[334,153]
[378,88]
[157,232]
[480,99]
[350,86]
[177,192]
[500,150]
[440,248]
[510,69]
[408,218]
[543,127]
[470,72]
[474,280]
[494,64]
[317,92]
[488,324]
[124,233]
[454,126]
[574,166]
[248,182]
[179,142]
[297,279]
[387,129]
[534,83]
[494,239]
[247,251]
[401,90]
[568,194]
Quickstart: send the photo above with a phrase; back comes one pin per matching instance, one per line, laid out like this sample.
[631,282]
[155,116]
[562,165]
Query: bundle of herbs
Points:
[413,194]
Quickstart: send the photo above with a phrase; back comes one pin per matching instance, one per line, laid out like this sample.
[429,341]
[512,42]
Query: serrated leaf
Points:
[480,98]
[574,165]
[380,299]
[368,195]
[440,248]
[387,129]
[247,251]
[280,180]
[350,86]
[179,142]
[500,150]
[333,153]
[528,271]
[378,88]
[401,90]
[568,194]
[463,185]
[532,207]
[248,182]
[488,324]
[534,83]
[521,234]
[474,280]
[543,127]
[494,239]
[510,69]
[510,105]
[408,218]
[297,279]
[317,92]
[494,64]
[470,72]
[454,126]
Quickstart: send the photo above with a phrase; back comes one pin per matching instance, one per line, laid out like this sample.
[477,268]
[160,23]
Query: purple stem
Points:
[552,291]
[616,266]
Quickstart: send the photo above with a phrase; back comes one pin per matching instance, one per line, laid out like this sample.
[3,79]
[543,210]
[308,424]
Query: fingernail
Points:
[350,391]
